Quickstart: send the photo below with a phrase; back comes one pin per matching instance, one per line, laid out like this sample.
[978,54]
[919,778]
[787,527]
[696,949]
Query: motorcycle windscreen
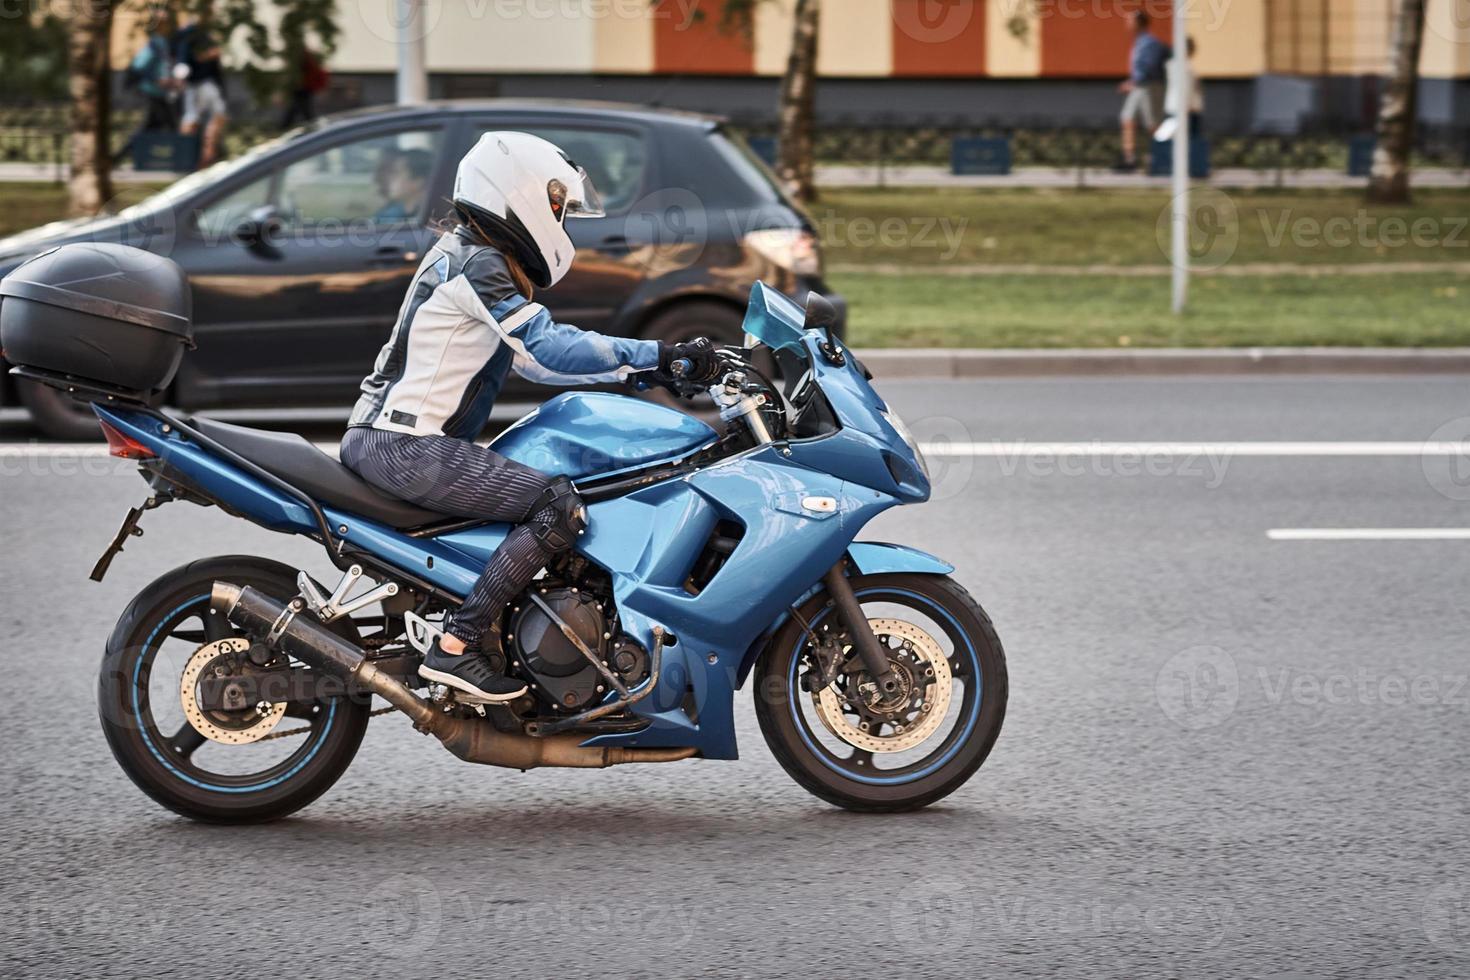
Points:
[774,320]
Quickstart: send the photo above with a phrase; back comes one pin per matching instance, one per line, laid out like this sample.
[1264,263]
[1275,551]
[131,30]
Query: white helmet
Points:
[523,188]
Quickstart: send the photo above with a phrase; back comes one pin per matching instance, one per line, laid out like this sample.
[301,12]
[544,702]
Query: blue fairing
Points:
[649,540]
[581,433]
[877,557]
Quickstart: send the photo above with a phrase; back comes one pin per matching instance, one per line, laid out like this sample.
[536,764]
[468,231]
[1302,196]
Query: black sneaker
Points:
[469,672]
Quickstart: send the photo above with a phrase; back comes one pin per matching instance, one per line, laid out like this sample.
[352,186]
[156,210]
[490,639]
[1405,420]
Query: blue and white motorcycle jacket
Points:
[462,328]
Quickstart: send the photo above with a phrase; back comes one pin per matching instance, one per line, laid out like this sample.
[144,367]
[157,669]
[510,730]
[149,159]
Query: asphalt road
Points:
[1224,755]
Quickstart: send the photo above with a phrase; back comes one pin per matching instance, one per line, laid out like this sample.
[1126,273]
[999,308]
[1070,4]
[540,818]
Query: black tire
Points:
[147,755]
[815,769]
[57,414]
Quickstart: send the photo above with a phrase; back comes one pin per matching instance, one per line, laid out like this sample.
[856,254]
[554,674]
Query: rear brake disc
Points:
[254,722]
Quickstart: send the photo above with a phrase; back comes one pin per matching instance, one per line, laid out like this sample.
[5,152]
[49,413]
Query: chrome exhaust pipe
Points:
[281,626]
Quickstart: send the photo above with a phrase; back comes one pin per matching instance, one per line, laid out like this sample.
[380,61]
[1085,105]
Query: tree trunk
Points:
[794,163]
[90,186]
[1389,181]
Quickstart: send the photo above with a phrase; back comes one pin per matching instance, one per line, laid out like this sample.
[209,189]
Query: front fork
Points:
[863,638]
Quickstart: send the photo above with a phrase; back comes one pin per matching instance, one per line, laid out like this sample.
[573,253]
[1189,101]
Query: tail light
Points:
[125,447]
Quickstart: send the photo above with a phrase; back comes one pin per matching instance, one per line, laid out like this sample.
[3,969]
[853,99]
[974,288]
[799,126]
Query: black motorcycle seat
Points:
[322,478]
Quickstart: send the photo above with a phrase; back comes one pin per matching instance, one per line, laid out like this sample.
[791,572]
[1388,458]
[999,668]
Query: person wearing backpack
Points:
[150,73]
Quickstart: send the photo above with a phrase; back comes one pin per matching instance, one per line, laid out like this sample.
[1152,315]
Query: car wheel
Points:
[57,414]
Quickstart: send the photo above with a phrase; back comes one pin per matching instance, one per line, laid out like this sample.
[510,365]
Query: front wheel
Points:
[260,761]
[840,738]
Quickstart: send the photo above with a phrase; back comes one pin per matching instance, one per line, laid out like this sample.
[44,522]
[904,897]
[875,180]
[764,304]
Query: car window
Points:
[222,217]
[614,160]
[382,180]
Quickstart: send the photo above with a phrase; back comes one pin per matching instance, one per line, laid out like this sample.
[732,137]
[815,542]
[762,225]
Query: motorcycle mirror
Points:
[820,313]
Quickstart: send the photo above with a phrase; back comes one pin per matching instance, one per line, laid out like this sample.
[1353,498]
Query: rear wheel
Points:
[855,748]
[258,763]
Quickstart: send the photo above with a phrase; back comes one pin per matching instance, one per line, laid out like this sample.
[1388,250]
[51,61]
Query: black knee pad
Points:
[569,516]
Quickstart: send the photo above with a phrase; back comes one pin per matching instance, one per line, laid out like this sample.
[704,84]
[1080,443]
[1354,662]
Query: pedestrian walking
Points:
[1176,100]
[197,52]
[1143,89]
[150,73]
[309,78]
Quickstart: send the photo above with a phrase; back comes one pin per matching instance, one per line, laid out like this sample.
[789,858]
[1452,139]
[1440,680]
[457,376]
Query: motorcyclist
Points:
[467,321]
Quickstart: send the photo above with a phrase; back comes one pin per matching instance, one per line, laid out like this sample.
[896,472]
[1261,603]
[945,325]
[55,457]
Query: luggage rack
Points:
[82,389]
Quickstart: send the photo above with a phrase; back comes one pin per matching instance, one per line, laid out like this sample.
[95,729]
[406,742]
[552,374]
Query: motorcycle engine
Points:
[559,671]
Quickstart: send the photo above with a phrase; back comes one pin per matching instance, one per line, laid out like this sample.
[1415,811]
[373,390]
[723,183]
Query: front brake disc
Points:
[925,707]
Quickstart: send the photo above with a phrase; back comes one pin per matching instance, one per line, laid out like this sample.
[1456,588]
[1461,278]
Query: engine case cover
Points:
[550,660]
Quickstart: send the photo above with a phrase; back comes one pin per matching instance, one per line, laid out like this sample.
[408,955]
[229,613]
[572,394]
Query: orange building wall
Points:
[1092,37]
[939,37]
[684,44]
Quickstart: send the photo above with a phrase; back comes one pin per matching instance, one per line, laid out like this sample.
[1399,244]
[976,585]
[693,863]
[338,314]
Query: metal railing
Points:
[38,134]
[1088,145]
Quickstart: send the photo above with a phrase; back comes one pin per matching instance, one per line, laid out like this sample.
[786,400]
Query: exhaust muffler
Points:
[282,626]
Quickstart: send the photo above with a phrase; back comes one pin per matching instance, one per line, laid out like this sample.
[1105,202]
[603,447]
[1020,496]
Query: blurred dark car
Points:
[299,252]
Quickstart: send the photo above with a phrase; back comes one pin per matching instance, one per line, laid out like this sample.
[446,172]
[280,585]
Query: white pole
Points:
[413,76]
[1181,156]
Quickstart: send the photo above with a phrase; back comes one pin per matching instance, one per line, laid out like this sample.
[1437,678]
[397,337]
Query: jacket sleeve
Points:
[547,352]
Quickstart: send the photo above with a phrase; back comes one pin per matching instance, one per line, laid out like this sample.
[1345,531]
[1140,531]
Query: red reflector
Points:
[123,447]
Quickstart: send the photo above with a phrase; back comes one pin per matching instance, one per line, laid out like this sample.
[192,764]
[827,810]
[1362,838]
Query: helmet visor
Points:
[575,202]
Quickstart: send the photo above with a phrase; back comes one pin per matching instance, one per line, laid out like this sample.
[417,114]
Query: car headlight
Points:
[790,248]
[908,439]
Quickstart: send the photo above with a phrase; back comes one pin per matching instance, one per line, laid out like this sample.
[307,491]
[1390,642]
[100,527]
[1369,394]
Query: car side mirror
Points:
[260,230]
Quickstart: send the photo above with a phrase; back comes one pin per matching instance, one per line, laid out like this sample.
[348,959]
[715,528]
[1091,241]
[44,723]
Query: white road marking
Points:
[1369,534]
[1216,449]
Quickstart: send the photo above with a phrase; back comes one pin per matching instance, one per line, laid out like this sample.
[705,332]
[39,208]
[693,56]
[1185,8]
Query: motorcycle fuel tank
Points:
[581,434]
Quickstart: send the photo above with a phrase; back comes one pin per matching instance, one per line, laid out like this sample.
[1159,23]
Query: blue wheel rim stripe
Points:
[143,727]
[979,681]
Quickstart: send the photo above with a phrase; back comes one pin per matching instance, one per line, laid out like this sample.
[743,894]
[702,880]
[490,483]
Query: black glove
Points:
[701,361]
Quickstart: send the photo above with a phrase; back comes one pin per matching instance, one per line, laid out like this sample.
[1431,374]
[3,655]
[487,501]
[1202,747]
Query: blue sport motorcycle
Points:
[238,689]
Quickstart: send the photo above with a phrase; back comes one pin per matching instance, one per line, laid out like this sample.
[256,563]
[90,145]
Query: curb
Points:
[935,362]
